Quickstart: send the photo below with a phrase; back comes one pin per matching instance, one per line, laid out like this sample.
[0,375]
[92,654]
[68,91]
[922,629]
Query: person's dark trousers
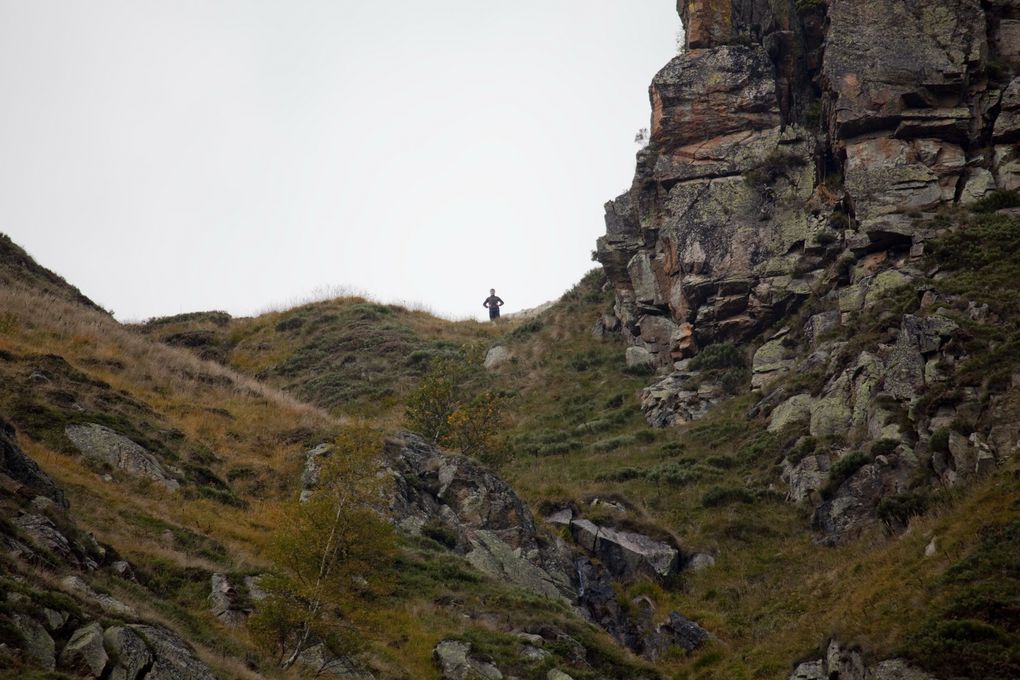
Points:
[493,313]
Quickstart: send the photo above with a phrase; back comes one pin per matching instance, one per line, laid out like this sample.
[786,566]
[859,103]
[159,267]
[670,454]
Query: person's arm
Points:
[499,301]
[486,303]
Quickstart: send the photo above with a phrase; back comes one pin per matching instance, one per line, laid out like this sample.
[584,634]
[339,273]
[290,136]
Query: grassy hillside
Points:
[232,403]
[237,446]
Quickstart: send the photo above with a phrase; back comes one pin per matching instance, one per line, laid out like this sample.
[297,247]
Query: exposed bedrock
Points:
[781,137]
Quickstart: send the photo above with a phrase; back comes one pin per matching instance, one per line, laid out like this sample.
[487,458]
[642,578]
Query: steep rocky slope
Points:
[787,448]
[790,132]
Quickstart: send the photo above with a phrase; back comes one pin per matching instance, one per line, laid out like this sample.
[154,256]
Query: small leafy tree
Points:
[474,427]
[333,558]
[437,396]
[449,410]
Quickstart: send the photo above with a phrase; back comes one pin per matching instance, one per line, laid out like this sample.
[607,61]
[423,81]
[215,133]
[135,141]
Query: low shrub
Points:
[440,534]
[621,475]
[897,510]
[725,495]
[614,443]
[842,470]
[939,440]
[997,200]
[529,327]
[721,355]
[884,447]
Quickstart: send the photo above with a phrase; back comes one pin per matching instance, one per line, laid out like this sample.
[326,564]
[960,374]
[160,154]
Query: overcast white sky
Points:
[186,155]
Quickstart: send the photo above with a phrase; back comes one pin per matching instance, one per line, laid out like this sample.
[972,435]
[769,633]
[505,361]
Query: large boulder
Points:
[847,663]
[489,524]
[130,654]
[626,554]
[37,643]
[45,534]
[226,603]
[102,444]
[174,659]
[84,653]
[455,663]
[680,397]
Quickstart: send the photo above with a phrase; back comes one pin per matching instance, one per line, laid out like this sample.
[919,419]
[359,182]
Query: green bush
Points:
[939,440]
[673,448]
[725,495]
[677,474]
[997,200]
[897,510]
[776,165]
[645,436]
[884,447]
[721,355]
[805,447]
[529,327]
[734,380]
[614,443]
[440,534]
[615,401]
[620,475]
[842,470]
[721,462]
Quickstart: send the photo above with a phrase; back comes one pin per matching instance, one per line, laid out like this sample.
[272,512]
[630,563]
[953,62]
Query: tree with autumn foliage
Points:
[333,555]
[452,407]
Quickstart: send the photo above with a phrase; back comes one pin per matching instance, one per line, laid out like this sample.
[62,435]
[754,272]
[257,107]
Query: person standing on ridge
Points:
[493,303]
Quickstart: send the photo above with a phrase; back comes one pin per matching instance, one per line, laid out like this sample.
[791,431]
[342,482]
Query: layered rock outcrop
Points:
[71,633]
[786,132]
[470,510]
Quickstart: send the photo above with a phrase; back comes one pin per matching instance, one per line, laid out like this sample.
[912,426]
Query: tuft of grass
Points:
[718,496]
[842,470]
[719,356]
[997,200]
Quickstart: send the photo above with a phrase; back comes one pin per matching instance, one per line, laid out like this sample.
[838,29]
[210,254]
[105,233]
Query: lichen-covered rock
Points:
[847,663]
[887,175]
[771,361]
[626,554]
[321,662]
[557,674]
[680,397]
[102,444]
[129,652]
[38,645]
[226,603]
[796,409]
[937,44]
[77,586]
[680,631]
[852,506]
[452,657]
[639,357]
[45,534]
[492,526]
[496,357]
[313,465]
[806,477]
[84,652]
[174,658]
[704,232]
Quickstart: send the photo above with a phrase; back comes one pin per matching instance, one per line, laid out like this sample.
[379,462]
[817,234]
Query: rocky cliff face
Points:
[789,132]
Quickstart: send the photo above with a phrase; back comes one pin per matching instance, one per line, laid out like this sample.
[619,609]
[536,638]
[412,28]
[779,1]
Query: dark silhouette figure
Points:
[493,303]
